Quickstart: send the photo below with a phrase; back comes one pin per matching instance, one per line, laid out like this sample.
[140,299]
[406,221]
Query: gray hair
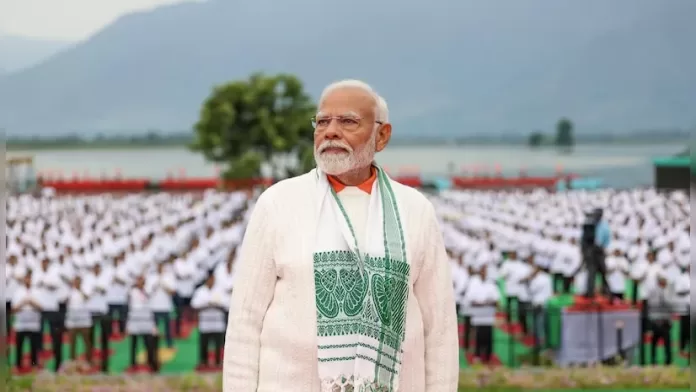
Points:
[381,108]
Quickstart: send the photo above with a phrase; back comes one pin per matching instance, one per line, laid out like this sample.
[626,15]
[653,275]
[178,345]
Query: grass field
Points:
[598,380]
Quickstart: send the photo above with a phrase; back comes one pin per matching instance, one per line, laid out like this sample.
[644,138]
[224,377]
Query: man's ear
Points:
[383,136]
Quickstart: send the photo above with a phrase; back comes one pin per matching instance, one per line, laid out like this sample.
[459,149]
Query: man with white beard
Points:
[343,281]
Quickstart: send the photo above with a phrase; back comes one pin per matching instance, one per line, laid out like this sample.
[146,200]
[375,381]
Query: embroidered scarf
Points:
[361,294]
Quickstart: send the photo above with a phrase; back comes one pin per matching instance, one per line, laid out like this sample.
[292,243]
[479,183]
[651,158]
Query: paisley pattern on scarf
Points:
[351,303]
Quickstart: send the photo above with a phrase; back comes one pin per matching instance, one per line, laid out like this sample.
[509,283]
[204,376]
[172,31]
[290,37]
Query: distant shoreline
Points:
[30,147]
[90,146]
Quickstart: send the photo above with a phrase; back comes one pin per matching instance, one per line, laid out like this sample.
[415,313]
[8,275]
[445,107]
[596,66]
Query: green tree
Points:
[536,139]
[152,136]
[244,124]
[564,133]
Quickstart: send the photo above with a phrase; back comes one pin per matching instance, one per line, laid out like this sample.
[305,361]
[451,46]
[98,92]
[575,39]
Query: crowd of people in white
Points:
[75,262]
[137,261]
[524,247]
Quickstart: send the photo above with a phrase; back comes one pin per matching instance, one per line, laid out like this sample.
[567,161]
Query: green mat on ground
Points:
[508,349]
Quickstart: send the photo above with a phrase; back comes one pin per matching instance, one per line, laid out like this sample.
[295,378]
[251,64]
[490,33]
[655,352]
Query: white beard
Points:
[337,164]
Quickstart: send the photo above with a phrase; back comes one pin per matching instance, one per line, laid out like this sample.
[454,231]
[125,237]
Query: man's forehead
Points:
[346,100]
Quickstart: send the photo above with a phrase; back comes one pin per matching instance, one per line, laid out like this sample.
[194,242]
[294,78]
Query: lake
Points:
[617,165]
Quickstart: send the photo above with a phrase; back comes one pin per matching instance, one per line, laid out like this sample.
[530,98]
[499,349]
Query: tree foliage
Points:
[536,139]
[564,133]
[244,124]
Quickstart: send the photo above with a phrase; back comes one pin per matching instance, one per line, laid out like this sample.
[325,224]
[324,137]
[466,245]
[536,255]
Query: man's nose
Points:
[332,131]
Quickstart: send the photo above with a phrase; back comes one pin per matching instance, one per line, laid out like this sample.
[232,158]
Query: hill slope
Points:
[17,53]
[446,68]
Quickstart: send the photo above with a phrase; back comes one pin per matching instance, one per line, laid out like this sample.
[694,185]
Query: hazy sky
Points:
[66,19]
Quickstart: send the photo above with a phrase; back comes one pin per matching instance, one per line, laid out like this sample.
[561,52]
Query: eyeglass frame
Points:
[331,118]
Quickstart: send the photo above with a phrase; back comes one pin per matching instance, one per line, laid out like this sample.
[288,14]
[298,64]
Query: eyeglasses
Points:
[346,123]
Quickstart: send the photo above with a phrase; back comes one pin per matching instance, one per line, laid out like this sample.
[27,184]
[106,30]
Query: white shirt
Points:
[78,314]
[682,293]
[67,274]
[479,292]
[49,287]
[616,278]
[141,320]
[12,276]
[522,271]
[98,287]
[646,273]
[26,318]
[185,271]
[573,260]
[541,289]
[212,305]
[157,286]
[223,277]
[513,271]
[460,278]
[117,293]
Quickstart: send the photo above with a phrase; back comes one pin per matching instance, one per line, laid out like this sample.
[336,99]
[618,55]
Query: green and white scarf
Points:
[361,294]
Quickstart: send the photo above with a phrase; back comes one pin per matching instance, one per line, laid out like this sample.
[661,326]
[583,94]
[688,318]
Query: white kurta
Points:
[141,319]
[27,318]
[212,305]
[77,314]
[271,340]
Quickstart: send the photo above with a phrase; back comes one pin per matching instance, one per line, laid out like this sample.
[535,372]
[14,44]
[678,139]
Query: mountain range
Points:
[17,53]
[446,67]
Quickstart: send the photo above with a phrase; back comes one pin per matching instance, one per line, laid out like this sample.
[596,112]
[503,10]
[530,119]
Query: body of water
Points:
[618,166]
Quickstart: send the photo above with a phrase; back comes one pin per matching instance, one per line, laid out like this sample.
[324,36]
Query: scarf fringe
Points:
[348,384]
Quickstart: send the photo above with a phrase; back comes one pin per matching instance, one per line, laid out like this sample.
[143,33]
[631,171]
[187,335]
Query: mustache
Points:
[333,144]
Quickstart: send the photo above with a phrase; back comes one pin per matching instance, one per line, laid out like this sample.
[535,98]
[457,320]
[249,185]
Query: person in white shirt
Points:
[483,297]
[11,273]
[645,272]
[461,277]
[224,272]
[682,292]
[27,308]
[465,309]
[511,272]
[636,254]
[524,305]
[273,323]
[49,286]
[162,287]
[573,263]
[541,286]
[661,305]
[97,284]
[78,320]
[557,263]
[117,293]
[141,325]
[185,272]
[67,274]
[212,304]
[617,268]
